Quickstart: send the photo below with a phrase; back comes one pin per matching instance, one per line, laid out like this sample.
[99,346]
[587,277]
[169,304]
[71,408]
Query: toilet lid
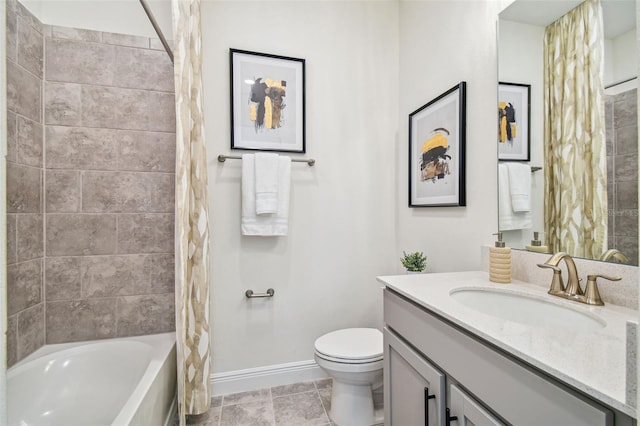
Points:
[351,344]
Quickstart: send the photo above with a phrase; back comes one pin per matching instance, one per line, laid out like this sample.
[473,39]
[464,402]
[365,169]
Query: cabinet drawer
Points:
[515,391]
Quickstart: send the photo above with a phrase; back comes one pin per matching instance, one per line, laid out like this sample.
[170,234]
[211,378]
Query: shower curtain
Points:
[575,158]
[191,223]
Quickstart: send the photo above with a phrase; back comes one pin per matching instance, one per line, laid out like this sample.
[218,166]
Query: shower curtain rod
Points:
[156,27]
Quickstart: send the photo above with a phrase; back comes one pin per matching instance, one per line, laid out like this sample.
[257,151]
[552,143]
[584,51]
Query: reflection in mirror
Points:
[522,60]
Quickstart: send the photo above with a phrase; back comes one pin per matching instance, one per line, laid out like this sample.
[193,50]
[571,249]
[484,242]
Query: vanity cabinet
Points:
[480,384]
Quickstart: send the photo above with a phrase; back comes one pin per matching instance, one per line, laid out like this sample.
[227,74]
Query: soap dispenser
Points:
[536,245]
[500,262]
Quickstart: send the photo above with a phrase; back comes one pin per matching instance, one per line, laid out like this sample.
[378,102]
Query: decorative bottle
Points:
[500,262]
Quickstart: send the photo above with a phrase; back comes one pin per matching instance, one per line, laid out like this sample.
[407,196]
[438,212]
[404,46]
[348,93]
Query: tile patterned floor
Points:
[299,404]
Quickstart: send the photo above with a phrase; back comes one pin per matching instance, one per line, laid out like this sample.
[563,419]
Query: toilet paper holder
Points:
[251,295]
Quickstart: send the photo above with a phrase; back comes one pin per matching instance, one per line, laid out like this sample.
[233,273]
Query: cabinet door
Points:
[414,390]
[468,411]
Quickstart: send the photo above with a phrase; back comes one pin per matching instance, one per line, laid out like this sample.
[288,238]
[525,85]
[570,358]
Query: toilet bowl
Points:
[352,357]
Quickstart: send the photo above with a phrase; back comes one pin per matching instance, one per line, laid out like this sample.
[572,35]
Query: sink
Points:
[527,309]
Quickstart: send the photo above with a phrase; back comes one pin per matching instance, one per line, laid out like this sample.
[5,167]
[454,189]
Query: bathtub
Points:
[128,381]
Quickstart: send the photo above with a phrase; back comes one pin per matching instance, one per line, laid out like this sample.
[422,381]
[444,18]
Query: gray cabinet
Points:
[418,343]
[414,389]
[467,411]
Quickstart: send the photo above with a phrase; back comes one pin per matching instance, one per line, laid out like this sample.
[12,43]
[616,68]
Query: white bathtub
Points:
[128,381]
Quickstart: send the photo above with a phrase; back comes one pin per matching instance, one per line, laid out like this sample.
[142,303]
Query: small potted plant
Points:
[414,262]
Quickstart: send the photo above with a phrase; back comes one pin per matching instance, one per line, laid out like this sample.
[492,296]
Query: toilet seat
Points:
[351,346]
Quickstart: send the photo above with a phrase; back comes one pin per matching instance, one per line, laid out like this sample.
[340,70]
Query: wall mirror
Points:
[521,61]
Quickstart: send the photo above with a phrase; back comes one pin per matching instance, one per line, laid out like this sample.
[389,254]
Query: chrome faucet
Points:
[591,295]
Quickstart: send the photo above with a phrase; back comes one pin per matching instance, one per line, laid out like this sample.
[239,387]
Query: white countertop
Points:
[593,362]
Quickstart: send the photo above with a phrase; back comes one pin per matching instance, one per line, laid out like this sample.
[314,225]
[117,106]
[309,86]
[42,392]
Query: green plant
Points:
[415,261]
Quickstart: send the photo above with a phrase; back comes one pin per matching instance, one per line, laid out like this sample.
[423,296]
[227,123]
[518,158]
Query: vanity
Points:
[460,350]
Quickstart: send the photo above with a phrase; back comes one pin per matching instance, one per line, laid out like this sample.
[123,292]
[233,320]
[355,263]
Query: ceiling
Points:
[619,15]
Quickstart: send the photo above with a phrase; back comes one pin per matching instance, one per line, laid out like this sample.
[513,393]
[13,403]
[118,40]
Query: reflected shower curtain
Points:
[192,229]
[574,133]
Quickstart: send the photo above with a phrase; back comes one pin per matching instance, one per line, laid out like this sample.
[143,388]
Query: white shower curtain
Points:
[191,223]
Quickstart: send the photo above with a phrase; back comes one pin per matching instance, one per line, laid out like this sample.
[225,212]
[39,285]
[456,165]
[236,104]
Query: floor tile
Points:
[248,414]
[293,388]
[299,409]
[244,397]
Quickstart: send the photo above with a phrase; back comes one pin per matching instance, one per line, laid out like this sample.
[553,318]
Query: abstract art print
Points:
[437,151]
[514,112]
[267,102]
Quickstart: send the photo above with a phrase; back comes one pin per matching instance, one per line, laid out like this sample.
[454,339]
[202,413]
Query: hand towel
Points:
[520,186]
[507,218]
[266,175]
[276,224]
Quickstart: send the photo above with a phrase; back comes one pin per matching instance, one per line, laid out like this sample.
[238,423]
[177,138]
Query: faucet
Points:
[616,255]
[591,295]
[573,285]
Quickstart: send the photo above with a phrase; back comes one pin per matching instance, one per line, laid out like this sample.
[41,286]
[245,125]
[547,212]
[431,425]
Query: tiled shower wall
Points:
[25,247]
[108,197]
[622,170]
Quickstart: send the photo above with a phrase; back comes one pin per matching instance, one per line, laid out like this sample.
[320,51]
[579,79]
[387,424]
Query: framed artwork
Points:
[267,102]
[437,151]
[514,115]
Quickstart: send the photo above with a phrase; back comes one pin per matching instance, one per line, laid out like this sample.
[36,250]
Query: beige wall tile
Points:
[30,48]
[145,233]
[80,234]
[156,74]
[63,191]
[12,36]
[12,137]
[12,251]
[114,275]
[147,151]
[125,40]
[63,104]
[12,340]
[29,138]
[162,112]
[63,278]
[23,92]
[127,192]
[24,186]
[115,108]
[81,148]
[29,17]
[75,34]
[30,330]
[80,62]
[72,321]
[146,314]
[24,285]
[30,244]
[162,273]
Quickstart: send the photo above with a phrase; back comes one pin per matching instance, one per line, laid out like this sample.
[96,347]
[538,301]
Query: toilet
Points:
[352,357]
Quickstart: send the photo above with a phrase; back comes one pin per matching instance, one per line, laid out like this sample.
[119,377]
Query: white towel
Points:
[266,224]
[520,186]
[266,168]
[507,218]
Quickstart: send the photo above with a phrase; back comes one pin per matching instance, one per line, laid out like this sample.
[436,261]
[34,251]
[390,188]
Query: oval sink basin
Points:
[527,310]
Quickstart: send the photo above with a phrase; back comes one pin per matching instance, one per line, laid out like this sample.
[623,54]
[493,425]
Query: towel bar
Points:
[222,158]
[250,294]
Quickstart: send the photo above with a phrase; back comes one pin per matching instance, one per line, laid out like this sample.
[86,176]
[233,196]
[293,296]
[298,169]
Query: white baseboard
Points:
[265,377]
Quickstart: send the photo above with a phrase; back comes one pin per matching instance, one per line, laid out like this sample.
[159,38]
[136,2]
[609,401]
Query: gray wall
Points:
[622,172]
[108,198]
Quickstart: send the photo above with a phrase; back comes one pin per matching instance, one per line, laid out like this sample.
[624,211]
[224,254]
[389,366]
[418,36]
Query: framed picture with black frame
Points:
[267,102]
[437,138]
[514,116]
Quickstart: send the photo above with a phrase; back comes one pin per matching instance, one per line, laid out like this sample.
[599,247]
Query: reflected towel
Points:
[267,224]
[507,218]
[520,186]
[266,175]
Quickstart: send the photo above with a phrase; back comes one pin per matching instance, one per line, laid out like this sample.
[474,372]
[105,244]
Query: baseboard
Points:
[265,377]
